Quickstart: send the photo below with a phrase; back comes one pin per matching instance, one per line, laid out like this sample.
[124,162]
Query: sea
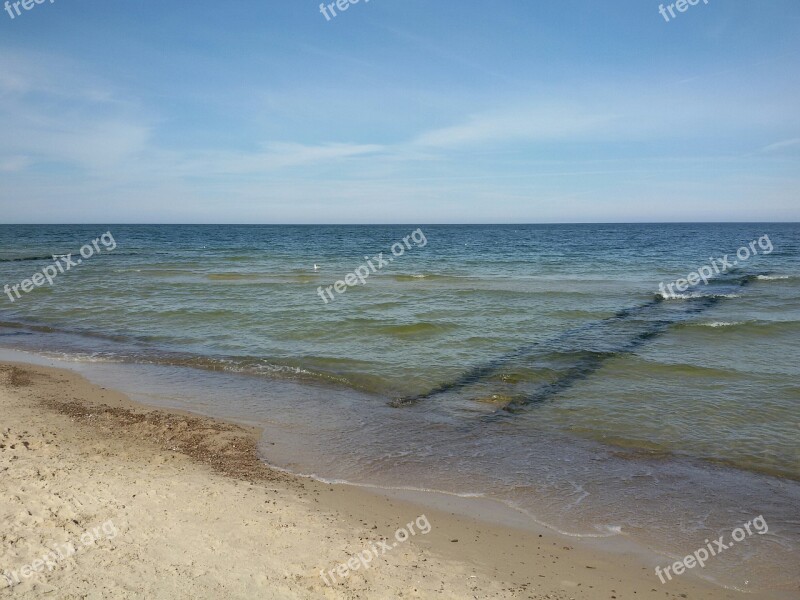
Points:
[546,370]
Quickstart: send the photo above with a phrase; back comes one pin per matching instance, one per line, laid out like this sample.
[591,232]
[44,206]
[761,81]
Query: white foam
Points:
[603,530]
[688,295]
[373,486]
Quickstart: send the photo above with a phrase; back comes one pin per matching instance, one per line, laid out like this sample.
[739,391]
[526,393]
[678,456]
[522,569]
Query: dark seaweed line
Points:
[584,367]
[50,257]
[587,366]
[482,372]
[26,258]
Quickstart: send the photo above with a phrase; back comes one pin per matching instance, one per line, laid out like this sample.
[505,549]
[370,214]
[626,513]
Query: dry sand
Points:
[180,507]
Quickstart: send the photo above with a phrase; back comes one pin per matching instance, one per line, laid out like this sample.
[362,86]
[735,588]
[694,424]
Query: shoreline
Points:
[113,435]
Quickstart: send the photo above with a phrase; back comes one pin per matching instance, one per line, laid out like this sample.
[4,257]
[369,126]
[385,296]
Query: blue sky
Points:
[400,111]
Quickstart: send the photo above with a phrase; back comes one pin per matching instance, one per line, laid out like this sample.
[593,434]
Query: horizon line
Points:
[417,224]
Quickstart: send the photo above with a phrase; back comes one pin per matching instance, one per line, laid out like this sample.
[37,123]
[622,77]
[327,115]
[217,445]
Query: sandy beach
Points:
[166,505]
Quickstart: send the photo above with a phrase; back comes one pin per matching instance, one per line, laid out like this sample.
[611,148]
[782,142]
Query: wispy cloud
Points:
[273,156]
[540,124]
[10,164]
[782,145]
[52,112]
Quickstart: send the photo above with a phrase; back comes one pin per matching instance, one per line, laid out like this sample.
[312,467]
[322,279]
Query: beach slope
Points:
[103,498]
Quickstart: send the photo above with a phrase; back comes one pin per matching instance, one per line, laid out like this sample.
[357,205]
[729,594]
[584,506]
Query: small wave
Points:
[772,277]
[431,277]
[231,276]
[165,272]
[409,329]
[265,278]
[373,486]
[81,357]
[411,277]
[756,327]
[691,295]
[603,531]
[247,365]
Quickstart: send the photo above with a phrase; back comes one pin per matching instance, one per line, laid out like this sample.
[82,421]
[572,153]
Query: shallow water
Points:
[531,364]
